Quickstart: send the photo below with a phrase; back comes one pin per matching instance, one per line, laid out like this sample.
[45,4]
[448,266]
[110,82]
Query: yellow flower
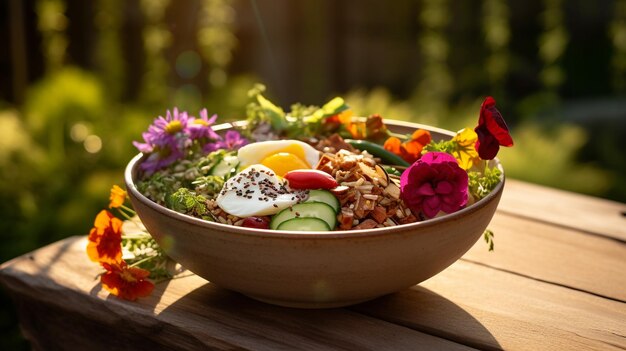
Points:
[118,196]
[465,152]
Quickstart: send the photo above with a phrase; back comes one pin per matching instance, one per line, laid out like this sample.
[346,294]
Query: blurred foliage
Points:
[52,24]
[496,27]
[216,38]
[548,156]
[552,44]
[617,31]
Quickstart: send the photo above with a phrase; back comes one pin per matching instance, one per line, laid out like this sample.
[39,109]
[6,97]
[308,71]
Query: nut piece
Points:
[393,190]
[379,214]
[369,197]
[366,224]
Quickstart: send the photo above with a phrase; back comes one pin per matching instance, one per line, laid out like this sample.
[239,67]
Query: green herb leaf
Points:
[274,114]
[301,122]
[140,250]
[482,183]
[447,146]
[488,235]
[187,202]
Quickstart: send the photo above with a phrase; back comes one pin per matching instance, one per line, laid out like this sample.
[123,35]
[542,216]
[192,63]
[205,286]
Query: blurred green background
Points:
[79,80]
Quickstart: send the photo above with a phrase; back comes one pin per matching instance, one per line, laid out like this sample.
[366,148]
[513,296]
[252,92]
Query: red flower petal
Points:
[125,282]
[495,123]
[492,130]
[486,145]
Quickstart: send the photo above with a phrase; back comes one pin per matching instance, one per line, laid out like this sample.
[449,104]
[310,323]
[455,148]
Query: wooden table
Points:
[557,280]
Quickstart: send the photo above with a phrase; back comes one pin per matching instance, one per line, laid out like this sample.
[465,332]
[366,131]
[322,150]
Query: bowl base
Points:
[309,304]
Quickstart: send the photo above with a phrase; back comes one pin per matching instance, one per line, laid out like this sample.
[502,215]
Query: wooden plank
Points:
[555,254]
[491,309]
[598,216]
[59,300]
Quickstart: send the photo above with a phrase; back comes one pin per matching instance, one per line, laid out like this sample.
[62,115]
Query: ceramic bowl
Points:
[316,269]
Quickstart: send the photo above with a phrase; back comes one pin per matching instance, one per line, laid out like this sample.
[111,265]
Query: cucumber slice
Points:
[318,210]
[304,223]
[225,166]
[324,196]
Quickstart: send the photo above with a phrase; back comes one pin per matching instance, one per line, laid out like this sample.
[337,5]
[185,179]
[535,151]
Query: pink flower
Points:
[200,128]
[232,141]
[434,183]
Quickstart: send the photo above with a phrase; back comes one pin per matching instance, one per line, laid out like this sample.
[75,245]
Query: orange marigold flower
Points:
[105,239]
[410,150]
[394,145]
[126,282]
[117,197]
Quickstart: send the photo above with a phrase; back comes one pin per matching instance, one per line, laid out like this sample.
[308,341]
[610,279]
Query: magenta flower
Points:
[434,183]
[200,128]
[232,141]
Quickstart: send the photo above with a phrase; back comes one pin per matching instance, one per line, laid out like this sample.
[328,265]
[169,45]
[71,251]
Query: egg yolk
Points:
[286,159]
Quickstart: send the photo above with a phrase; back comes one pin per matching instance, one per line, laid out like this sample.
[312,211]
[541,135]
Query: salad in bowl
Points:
[315,207]
[315,169]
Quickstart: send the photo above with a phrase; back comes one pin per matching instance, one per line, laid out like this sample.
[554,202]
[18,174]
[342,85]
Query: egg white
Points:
[254,153]
[247,193]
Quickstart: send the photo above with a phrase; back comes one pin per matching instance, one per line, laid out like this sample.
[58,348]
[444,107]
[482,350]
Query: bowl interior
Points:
[132,173]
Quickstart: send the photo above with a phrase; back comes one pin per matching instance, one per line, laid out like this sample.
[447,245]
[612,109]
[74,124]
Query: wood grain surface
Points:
[556,280]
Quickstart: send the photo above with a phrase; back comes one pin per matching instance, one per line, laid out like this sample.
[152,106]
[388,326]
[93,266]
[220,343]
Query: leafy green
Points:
[273,113]
[488,236]
[159,185]
[142,251]
[299,110]
[188,202]
[482,183]
[190,174]
[301,121]
[440,146]
[209,186]
[207,164]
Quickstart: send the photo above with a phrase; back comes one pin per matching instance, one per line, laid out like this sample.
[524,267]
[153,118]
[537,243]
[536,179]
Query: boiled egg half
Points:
[257,191]
[281,156]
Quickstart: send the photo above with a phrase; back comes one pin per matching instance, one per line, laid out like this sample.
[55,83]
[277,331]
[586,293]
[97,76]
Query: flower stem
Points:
[130,210]
[403,137]
[124,214]
[135,264]
[140,236]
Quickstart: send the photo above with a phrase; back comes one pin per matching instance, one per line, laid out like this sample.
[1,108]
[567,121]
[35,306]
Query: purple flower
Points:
[232,141]
[165,132]
[434,183]
[160,158]
[200,128]
[164,141]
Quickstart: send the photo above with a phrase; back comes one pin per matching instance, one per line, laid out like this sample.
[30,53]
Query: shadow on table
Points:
[421,309]
[221,311]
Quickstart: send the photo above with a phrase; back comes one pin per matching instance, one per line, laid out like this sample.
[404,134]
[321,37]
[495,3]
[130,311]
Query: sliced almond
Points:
[339,190]
[393,190]
[383,177]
